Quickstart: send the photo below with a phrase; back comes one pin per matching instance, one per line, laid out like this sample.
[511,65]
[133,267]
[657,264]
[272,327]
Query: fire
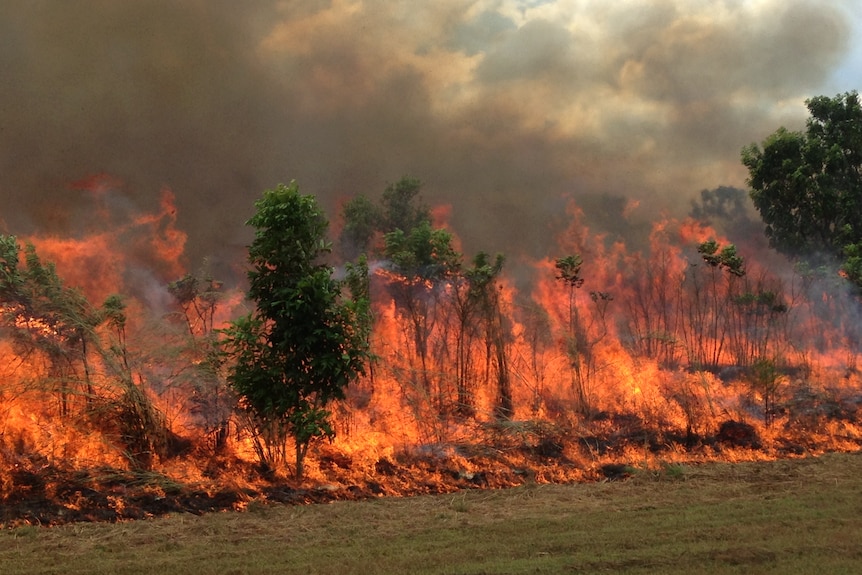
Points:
[647,358]
[104,262]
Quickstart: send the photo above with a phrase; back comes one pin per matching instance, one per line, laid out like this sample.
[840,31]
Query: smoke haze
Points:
[502,108]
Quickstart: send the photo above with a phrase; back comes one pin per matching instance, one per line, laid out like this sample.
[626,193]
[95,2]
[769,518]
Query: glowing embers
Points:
[16,316]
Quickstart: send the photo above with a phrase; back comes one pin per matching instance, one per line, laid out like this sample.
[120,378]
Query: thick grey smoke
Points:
[501,107]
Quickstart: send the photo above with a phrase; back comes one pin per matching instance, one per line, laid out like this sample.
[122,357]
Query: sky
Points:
[505,109]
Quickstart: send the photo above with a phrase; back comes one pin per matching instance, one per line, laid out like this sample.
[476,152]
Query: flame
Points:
[654,349]
[104,262]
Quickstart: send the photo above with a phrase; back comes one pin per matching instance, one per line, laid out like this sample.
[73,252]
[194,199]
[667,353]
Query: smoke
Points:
[502,107]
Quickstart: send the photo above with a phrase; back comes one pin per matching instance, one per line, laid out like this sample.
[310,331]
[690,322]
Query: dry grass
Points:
[791,516]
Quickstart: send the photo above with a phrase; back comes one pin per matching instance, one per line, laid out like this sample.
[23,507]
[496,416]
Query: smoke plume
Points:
[503,108]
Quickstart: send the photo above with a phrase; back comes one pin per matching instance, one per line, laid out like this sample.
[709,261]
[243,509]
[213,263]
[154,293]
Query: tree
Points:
[366,223]
[304,342]
[475,301]
[198,297]
[361,217]
[420,260]
[708,318]
[213,401]
[807,185]
[484,295]
[401,207]
[57,320]
[765,380]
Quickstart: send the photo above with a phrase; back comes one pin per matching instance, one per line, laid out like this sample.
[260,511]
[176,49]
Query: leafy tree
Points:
[198,297]
[401,209]
[422,259]
[365,223]
[728,210]
[361,222]
[303,344]
[49,316]
[765,381]
[723,203]
[807,185]
[569,274]
[726,259]
[476,305]
[710,293]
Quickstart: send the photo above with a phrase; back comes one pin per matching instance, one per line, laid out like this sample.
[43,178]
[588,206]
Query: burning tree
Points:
[422,269]
[198,296]
[708,320]
[422,260]
[582,335]
[653,313]
[484,294]
[50,318]
[304,343]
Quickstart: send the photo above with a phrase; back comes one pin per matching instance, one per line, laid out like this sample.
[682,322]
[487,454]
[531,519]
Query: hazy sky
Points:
[502,107]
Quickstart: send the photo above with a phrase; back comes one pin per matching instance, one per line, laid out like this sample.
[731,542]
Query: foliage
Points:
[423,253]
[425,278]
[436,296]
[476,301]
[724,203]
[365,222]
[709,290]
[569,270]
[358,285]
[198,297]
[303,344]
[484,297]
[400,206]
[807,185]
[726,259]
[422,259]
[361,218]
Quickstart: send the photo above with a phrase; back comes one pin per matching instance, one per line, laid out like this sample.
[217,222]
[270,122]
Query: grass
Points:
[791,516]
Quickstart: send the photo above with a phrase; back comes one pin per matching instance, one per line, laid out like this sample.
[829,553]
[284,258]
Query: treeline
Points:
[421,341]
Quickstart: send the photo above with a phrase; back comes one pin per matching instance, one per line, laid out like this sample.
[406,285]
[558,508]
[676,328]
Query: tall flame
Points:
[660,345]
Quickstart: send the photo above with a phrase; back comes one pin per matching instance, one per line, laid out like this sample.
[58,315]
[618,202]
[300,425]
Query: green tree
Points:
[361,223]
[401,208]
[366,223]
[765,381]
[582,335]
[304,342]
[807,185]
[420,260]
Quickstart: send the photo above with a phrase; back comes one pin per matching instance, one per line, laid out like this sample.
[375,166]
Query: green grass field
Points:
[791,516]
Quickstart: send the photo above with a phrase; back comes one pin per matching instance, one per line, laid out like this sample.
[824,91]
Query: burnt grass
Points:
[34,491]
[54,496]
